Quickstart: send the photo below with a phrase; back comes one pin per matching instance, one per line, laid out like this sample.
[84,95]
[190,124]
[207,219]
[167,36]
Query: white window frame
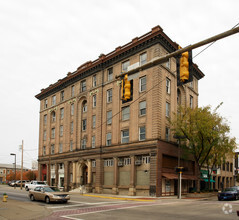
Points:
[83,144]
[167,134]
[44,135]
[142,84]
[93,121]
[45,103]
[125,66]
[83,86]
[94,82]
[110,74]
[145,159]
[62,113]
[45,119]
[109,117]
[84,107]
[72,109]
[84,124]
[94,101]
[143,58]
[71,145]
[53,100]
[108,162]
[53,133]
[109,95]
[167,109]
[93,163]
[52,149]
[61,130]
[72,91]
[108,139]
[44,150]
[142,133]
[127,161]
[53,116]
[93,141]
[168,86]
[62,95]
[72,127]
[60,148]
[125,113]
[124,138]
[142,108]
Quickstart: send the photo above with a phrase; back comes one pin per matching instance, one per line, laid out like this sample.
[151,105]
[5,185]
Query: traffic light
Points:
[126,89]
[184,68]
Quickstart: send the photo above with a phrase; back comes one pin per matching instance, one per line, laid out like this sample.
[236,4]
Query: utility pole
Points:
[22,164]
[15,169]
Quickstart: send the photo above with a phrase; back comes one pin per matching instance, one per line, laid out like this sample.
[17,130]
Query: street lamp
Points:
[15,168]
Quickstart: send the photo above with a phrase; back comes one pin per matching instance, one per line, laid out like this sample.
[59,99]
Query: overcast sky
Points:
[42,40]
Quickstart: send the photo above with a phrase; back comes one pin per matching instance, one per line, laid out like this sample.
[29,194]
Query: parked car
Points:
[13,183]
[33,184]
[48,194]
[18,183]
[231,193]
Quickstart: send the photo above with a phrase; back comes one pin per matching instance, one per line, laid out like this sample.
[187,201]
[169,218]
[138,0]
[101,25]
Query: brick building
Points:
[89,137]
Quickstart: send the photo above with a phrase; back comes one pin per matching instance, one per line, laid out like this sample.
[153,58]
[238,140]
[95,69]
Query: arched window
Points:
[178,97]
[84,106]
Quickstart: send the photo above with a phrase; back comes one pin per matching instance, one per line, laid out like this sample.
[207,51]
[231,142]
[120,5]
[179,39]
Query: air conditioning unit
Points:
[138,162]
[120,163]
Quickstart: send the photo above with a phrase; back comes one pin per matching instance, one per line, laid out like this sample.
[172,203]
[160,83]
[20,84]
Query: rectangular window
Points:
[72,109]
[168,63]
[109,117]
[52,149]
[84,108]
[125,113]
[45,103]
[142,108]
[94,100]
[53,133]
[94,81]
[142,133]
[127,161]
[62,96]
[71,145]
[83,86]
[145,159]
[142,84]
[44,151]
[83,144]
[109,95]
[62,113]
[125,66]
[72,127]
[168,85]
[167,109]
[44,135]
[72,91]
[61,130]
[93,121]
[143,59]
[108,162]
[53,100]
[108,139]
[110,74]
[93,162]
[84,124]
[93,142]
[125,136]
[191,101]
[45,119]
[60,148]
[167,134]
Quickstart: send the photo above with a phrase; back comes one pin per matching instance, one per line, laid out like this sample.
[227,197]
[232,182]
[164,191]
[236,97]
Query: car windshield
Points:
[49,189]
[230,189]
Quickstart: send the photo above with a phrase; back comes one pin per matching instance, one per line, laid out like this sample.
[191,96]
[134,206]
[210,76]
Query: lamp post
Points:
[15,169]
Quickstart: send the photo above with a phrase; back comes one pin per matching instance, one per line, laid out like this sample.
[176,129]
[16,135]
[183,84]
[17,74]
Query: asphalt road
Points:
[94,207]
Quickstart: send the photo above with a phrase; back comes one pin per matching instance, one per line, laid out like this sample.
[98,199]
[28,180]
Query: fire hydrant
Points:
[5,196]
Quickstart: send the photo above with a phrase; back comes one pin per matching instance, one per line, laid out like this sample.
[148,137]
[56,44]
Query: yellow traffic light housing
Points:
[184,68]
[126,89]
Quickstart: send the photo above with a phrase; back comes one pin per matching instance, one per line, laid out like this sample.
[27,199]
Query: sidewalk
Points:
[14,209]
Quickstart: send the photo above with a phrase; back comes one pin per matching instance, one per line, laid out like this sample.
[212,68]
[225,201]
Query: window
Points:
[109,117]
[72,127]
[83,144]
[93,121]
[45,119]
[110,74]
[45,103]
[84,107]
[125,113]
[71,145]
[53,100]
[125,66]
[168,84]
[94,81]
[44,135]
[52,149]
[62,96]
[167,134]
[93,142]
[53,116]
[142,84]
[167,109]
[60,148]
[142,108]
[191,101]
[83,86]
[143,59]
[142,133]
[168,63]
[178,97]
[72,91]
[62,113]
[72,109]
[125,136]
[94,100]
[109,95]
[53,133]
[61,166]
[61,130]
[93,162]
[108,162]
[83,124]
[145,159]
[44,151]
[108,139]
[127,161]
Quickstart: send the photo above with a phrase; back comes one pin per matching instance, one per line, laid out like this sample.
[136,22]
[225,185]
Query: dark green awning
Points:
[206,180]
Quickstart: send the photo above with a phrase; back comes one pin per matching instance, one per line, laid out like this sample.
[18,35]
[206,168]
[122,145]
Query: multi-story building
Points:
[89,137]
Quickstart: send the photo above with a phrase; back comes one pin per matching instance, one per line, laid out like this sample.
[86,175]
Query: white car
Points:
[33,184]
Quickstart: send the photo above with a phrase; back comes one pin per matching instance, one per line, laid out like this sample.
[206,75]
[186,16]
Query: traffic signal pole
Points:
[162,59]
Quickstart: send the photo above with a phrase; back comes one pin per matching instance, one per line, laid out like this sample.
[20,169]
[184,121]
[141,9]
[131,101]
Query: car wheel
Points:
[32,197]
[27,189]
[47,200]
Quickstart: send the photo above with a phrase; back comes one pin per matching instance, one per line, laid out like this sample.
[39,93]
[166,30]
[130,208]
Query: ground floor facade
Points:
[144,169]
